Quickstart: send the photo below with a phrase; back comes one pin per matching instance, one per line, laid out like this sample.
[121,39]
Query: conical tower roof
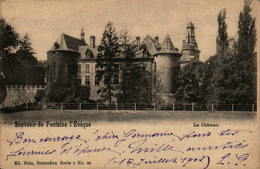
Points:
[167,46]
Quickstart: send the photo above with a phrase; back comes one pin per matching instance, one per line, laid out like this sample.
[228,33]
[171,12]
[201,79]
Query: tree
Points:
[59,93]
[217,85]
[233,68]
[107,68]
[19,64]
[8,38]
[8,42]
[126,68]
[222,38]
[136,85]
[33,72]
[191,84]
[246,55]
[135,80]
[17,58]
[246,33]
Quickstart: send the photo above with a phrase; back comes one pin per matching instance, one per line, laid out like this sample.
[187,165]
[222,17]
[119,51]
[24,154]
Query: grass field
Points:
[124,115]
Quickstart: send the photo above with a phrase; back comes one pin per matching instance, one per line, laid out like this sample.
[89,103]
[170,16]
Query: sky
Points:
[46,20]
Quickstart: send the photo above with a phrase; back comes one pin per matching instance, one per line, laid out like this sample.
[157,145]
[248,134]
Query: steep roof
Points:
[68,43]
[150,45]
[147,44]
[167,46]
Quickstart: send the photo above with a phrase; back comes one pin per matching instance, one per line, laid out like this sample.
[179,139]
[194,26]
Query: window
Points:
[87,80]
[96,80]
[87,68]
[89,54]
[79,68]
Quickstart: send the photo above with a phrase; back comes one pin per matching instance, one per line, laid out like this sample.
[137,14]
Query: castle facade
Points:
[73,58]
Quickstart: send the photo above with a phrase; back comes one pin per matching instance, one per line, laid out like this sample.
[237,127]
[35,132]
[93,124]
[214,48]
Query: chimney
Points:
[138,42]
[92,40]
[156,40]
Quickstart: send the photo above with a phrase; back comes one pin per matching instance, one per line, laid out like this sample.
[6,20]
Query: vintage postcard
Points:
[121,84]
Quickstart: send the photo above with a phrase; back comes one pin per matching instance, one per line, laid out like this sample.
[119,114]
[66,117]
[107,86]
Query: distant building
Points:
[163,60]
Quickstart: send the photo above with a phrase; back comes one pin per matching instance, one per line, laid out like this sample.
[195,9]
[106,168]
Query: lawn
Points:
[124,115]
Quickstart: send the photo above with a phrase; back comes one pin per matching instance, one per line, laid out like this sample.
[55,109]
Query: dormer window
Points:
[89,53]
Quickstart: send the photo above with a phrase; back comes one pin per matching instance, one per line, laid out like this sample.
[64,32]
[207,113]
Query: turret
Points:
[167,64]
[190,49]
[190,35]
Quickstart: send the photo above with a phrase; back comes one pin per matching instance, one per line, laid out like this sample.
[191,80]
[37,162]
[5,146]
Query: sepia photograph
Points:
[129,84]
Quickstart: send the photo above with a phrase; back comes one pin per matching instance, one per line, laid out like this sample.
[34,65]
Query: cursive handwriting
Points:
[133,148]
[184,161]
[22,152]
[21,139]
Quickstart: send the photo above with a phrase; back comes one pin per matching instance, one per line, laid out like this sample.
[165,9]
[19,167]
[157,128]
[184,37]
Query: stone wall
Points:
[21,94]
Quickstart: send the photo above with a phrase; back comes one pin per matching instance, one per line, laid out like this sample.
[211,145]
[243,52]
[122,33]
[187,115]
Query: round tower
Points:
[62,60]
[166,68]
[62,66]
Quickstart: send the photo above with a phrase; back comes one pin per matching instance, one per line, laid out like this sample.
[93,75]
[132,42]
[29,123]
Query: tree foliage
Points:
[60,93]
[191,81]
[8,38]
[135,84]
[246,33]
[107,68]
[246,55]
[219,62]
[19,64]
[232,71]
[222,38]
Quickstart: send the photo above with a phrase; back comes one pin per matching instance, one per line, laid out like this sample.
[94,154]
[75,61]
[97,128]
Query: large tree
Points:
[219,63]
[127,53]
[8,38]
[233,68]
[33,71]
[18,64]
[8,42]
[222,37]
[246,55]
[191,81]
[135,80]
[107,68]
